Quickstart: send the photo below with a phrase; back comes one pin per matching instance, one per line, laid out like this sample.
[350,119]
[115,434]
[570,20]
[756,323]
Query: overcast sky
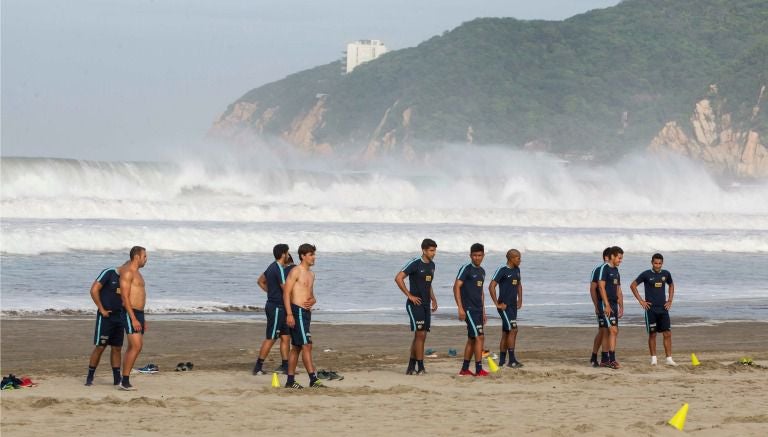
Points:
[124,79]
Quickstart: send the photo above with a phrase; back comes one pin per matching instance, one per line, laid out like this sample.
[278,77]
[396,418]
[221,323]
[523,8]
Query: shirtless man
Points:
[298,298]
[134,297]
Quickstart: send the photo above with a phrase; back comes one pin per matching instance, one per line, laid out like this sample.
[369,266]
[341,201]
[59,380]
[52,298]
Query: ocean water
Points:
[210,222]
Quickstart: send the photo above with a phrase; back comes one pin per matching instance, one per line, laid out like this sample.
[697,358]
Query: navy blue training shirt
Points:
[275,275]
[420,276]
[472,287]
[655,284]
[595,276]
[508,279]
[612,281]
[110,290]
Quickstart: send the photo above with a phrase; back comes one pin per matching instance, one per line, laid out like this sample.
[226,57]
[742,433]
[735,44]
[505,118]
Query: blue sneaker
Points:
[149,368]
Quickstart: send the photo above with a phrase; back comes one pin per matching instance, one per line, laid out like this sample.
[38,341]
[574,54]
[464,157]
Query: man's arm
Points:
[262,282]
[95,289]
[126,280]
[519,295]
[492,292]
[400,281]
[604,297]
[433,298]
[633,288]
[457,295]
[668,303]
[593,295]
[482,304]
[620,300]
[287,289]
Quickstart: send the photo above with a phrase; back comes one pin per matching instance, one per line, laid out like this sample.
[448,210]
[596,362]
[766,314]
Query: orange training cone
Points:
[492,365]
[678,420]
[275,381]
[694,360]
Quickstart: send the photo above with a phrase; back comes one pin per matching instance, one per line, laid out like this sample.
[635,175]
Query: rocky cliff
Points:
[712,137]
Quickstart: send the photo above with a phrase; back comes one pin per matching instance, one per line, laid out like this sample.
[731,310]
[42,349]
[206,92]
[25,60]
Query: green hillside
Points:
[566,83]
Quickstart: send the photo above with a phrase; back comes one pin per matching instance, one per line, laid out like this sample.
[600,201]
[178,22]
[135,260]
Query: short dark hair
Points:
[289,260]
[428,243]
[136,251]
[657,256]
[512,253]
[616,250]
[305,249]
[607,252]
[279,250]
[477,247]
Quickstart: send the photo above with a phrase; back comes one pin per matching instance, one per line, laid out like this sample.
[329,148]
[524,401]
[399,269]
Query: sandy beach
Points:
[556,393]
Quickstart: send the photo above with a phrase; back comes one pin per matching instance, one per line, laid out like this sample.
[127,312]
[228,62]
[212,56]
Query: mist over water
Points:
[244,201]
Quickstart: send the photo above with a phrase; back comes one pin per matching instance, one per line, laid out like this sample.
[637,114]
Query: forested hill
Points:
[602,81]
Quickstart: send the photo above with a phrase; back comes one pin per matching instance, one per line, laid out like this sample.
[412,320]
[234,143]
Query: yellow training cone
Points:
[492,365]
[694,360]
[275,380]
[678,420]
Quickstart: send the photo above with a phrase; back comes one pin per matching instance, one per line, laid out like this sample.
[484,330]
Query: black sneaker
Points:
[333,375]
[594,363]
[295,386]
[88,382]
[323,374]
[421,372]
[126,387]
[515,364]
[317,384]
[410,371]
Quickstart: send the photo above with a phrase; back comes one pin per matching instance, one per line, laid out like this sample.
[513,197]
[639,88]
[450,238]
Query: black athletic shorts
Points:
[275,321]
[420,316]
[300,332]
[508,318]
[129,326]
[109,330]
[657,320]
[474,321]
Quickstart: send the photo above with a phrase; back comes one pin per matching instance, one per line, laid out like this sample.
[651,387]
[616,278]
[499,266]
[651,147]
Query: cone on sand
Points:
[678,420]
[492,365]
[694,360]
[275,380]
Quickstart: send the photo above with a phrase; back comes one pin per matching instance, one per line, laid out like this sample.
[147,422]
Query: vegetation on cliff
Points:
[600,81]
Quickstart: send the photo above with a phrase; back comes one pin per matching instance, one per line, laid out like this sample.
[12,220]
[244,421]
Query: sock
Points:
[478,366]
[421,364]
[503,358]
[91,372]
[512,358]
[126,381]
[116,375]
[612,355]
[593,358]
[312,378]
[291,380]
[284,364]
[603,357]
[259,365]
[465,365]
[412,364]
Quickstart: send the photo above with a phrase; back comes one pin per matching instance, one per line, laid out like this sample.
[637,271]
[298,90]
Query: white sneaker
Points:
[670,362]
[654,361]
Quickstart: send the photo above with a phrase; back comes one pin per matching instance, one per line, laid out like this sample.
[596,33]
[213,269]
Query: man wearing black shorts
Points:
[612,304]
[602,326]
[507,277]
[656,305]
[420,273]
[470,300]
[272,282]
[105,292]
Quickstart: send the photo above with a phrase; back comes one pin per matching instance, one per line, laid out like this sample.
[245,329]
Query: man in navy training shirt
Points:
[470,300]
[656,305]
[612,304]
[420,303]
[602,327]
[507,277]
[272,282]
[105,292]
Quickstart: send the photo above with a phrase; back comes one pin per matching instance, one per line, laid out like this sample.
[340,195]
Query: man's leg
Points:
[419,339]
[667,343]
[652,343]
[135,343]
[293,360]
[503,347]
[597,343]
[309,366]
[115,357]
[285,347]
[266,346]
[468,349]
[93,363]
[511,341]
[477,349]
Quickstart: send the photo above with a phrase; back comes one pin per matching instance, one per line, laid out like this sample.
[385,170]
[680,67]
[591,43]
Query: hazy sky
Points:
[125,79]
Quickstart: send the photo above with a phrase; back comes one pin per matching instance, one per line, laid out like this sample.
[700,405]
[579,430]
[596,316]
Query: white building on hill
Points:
[362,51]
